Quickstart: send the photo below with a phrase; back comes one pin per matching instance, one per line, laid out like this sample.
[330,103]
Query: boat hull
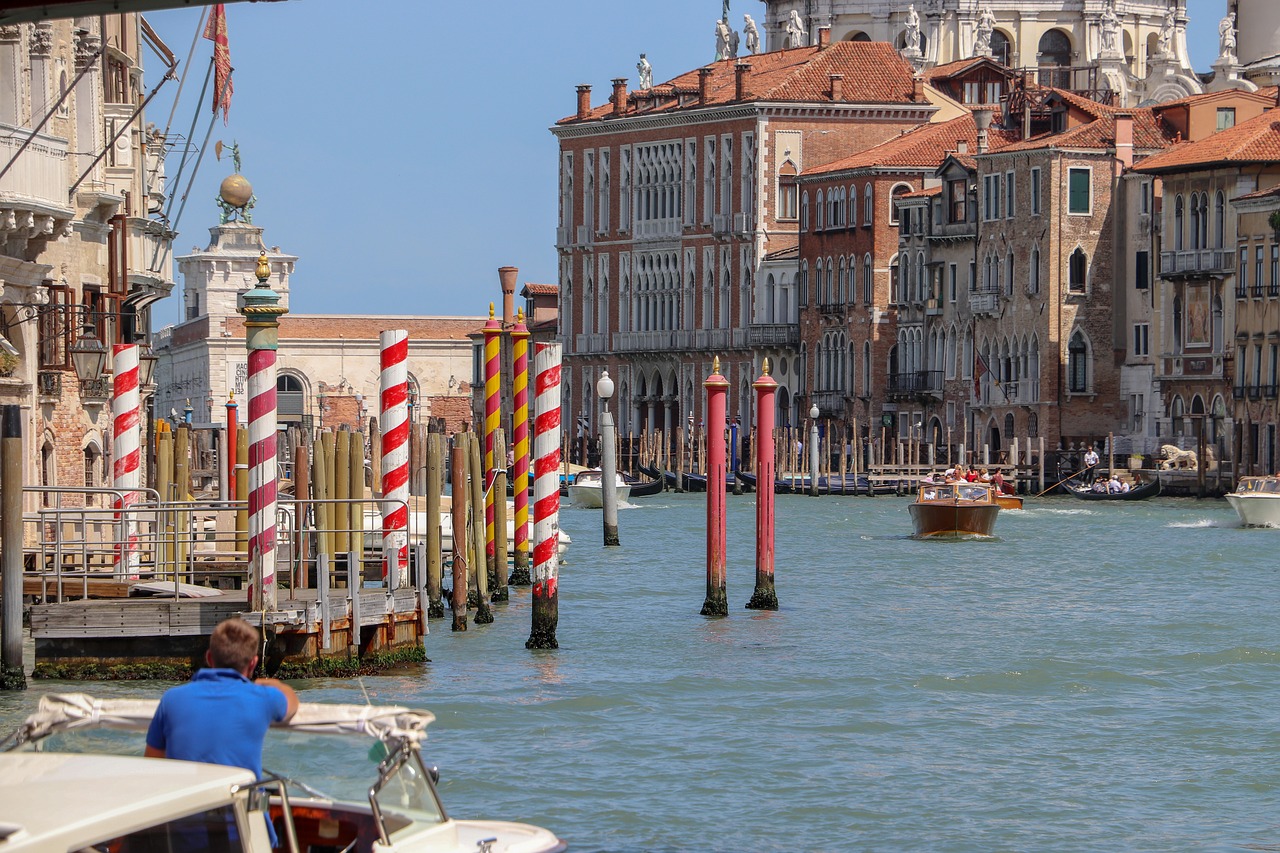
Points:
[592,496]
[1140,492]
[1256,510]
[950,520]
[1009,501]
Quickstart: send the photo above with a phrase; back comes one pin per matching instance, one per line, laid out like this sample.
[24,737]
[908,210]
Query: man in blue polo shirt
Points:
[221,716]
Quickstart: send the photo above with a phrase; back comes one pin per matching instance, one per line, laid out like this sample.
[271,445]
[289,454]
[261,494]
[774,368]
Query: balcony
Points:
[658,229]
[773,335]
[652,341]
[720,224]
[1196,262]
[984,303]
[586,344]
[829,403]
[37,183]
[150,253]
[915,383]
[740,223]
[933,308]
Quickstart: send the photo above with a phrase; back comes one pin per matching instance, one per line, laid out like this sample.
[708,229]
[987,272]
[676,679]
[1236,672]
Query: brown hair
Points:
[234,645]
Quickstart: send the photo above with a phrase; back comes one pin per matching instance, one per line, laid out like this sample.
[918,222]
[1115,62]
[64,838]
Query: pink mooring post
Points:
[127,456]
[393,422]
[764,597]
[717,542]
[230,446]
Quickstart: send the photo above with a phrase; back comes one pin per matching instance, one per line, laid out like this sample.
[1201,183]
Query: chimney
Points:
[619,95]
[962,146]
[1124,139]
[917,88]
[837,87]
[824,38]
[584,101]
[740,71]
[704,86]
[982,118]
[507,278]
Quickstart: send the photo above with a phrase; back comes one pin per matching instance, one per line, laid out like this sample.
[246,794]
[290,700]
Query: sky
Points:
[403,151]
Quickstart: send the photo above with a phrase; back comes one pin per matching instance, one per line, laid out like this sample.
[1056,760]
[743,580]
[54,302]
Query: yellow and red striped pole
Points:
[520,434]
[262,310]
[393,423]
[546,496]
[492,422]
[127,455]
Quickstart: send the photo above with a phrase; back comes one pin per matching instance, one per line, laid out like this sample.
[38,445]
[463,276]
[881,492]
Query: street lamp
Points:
[813,449]
[147,368]
[89,355]
[608,462]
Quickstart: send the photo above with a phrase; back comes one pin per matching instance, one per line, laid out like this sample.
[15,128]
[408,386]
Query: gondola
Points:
[1139,492]
[645,488]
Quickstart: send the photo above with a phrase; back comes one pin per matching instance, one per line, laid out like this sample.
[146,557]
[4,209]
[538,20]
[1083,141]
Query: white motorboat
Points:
[91,801]
[586,490]
[1257,501]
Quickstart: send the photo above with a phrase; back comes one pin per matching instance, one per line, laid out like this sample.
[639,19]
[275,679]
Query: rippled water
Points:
[1099,677]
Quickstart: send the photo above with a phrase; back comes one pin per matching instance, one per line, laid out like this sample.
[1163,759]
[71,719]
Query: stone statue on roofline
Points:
[986,26]
[1164,42]
[912,34]
[796,34]
[1227,38]
[646,72]
[1109,27]
[751,35]
[726,41]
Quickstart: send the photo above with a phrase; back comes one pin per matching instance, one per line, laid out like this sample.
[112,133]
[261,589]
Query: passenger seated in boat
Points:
[1124,486]
[929,494]
[984,477]
[1113,485]
[1099,485]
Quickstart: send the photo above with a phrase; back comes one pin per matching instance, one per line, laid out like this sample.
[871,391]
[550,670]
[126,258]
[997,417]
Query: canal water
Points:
[1097,677]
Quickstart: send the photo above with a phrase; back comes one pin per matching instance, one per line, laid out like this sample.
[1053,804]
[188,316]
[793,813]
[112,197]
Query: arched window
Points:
[1178,219]
[1001,51]
[290,398]
[92,466]
[853,206]
[1177,412]
[1195,222]
[1054,51]
[804,211]
[1033,279]
[1078,364]
[866,367]
[820,212]
[898,189]
[1219,220]
[1177,324]
[1008,426]
[868,208]
[1078,274]
[787,189]
[1219,342]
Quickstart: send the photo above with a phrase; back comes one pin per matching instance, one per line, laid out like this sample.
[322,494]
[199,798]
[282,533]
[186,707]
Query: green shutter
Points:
[1079,191]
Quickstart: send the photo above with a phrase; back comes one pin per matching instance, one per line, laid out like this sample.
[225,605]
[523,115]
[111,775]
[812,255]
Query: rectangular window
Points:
[1145,193]
[1226,117]
[1136,412]
[1010,193]
[1078,191]
[990,197]
[993,92]
[958,192]
[972,91]
[1035,191]
[1242,273]
[605,189]
[973,276]
[1275,270]
[1142,270]
[1257,270]
[951,286]
[1141,339]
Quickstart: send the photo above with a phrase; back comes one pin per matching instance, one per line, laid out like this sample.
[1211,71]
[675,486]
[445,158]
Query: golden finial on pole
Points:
[766,366]
[490,310]
[263,272]
[715,365]
[520,315]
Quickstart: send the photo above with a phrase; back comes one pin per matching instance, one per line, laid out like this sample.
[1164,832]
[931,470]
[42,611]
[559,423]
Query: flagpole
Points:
[195,170]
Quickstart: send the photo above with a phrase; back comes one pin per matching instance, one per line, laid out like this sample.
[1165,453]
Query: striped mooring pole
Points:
[262,311]
[492,423]
[716,604]
[546,496]
[393,423]
[520,435]
[765,597]
[126,452]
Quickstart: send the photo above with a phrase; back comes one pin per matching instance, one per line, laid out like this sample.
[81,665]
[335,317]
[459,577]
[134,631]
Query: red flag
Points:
[979,370]
[216,31]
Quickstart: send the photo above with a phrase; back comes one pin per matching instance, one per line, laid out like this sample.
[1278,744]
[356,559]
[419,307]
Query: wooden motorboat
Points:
[1139,492]
[587,490]
[1257,501]
[954,510]
[95,801]
[1008,501]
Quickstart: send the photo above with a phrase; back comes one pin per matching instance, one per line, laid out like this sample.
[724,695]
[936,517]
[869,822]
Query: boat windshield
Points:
[973,493]
[1268,485]
[404,789]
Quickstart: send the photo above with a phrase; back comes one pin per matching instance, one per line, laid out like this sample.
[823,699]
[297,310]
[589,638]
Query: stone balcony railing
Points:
[150,251]
[38,179]
[1196,261]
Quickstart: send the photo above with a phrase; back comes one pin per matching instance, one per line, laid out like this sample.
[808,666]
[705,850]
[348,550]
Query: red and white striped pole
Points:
[126,466]
[716,604]
[262,312]
[520,431]
[765,597]
[492,421]
[393,422]
[546,496]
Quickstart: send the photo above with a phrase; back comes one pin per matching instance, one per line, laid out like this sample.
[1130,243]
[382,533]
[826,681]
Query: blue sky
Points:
[402,152]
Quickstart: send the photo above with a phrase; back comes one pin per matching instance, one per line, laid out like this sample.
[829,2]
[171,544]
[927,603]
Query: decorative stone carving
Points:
[912,33]
[9,32]
[1227,39]
[796,33]
[646,72]
[42,40]
[986,26]
[1164,42]
[87,45]
[726,41]
[1109,28]
[751,35]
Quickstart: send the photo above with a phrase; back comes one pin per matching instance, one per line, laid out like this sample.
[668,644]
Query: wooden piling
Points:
[355,490]
[458,523]
[436,462]
[12,675]
[481,573]
[716,603]
[164,486]
[342,490]
[328,509]
[320,489]
[301,494]
[765,597]
[182,479]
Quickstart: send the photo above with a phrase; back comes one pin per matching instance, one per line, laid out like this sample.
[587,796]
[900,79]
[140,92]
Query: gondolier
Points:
[1091,464]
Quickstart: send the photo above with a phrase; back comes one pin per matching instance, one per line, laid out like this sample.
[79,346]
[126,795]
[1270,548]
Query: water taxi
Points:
[954,510]
[586,490]
[96,802]
[1257,501]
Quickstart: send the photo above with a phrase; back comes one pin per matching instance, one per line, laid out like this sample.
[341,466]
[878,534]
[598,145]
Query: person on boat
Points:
[985,476]
[1124,486]
[221,715]
[971,475]
[1113,485]
[1090,461]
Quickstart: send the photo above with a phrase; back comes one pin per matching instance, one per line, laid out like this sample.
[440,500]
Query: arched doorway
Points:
[993,437]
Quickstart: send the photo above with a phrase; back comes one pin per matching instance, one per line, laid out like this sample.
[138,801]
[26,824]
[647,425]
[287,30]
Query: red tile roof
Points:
[1100,134]
[924,193]
[1269,192]
[959,66]
[921,147]
[873,72]
[532,289]
[1254,141]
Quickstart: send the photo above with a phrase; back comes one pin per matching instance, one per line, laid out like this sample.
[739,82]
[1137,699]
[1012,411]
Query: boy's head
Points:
[234,645]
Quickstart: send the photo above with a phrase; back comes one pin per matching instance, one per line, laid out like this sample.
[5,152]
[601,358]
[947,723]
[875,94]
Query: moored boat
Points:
[92,801]
[1139,492]
[646,488]
[587,491]
[1257,501]
[954,510]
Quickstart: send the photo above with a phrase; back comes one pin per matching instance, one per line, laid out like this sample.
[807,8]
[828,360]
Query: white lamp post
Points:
[608,462]
[813,449]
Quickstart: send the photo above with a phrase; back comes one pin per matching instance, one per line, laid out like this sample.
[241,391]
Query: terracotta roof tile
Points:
[1148,133]
[960,66]
[873,72]
[1269,192]
[532,289]
[1254,141]
[927,192]
[921,147]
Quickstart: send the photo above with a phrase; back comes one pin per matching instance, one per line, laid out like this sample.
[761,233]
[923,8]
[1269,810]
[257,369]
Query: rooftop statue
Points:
[913,29]
[1109,25]
[752,35]
[646,73]
[986,26]
[1227,38]
[796,34]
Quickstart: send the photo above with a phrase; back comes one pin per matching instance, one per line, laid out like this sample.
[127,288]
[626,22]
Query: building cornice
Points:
[915,112]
